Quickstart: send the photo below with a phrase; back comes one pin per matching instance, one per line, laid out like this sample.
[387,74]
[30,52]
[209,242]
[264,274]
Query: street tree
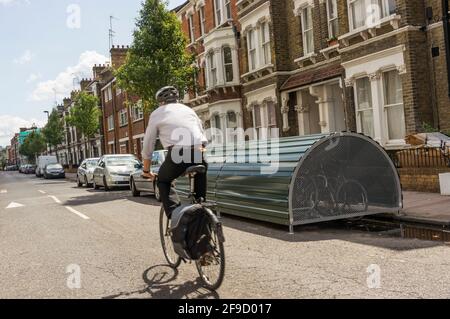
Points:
[54,131]
[33,145]
[85,116]
[157,56]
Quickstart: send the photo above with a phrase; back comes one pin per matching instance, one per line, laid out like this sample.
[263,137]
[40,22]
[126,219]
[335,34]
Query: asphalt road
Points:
[112,241]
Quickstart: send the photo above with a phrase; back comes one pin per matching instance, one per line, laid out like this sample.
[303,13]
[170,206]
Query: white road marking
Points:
[70,209]
[42,192]
[3,191]
[14,205]
[55,199]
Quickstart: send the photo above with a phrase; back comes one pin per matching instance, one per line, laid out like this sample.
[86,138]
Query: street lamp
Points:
[48,114]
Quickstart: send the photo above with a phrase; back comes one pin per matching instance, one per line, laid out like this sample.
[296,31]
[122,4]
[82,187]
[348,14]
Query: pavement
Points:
[429,208]
[53,233]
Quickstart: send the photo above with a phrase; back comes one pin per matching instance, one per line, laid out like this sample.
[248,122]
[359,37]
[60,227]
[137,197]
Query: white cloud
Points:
[34,77]
[64,82]
[9,125]
[25,58]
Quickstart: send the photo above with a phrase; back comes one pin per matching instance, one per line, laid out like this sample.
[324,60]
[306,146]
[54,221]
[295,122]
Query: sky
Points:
[47,46]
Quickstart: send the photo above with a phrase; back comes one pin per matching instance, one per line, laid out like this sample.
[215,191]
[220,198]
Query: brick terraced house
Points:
[124,120]
[212,30]
[378,67]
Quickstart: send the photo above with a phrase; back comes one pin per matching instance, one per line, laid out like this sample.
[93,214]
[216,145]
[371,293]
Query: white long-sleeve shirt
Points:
[175,125]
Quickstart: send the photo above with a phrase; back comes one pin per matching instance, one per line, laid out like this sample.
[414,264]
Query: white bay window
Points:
[364,107]
[393,105]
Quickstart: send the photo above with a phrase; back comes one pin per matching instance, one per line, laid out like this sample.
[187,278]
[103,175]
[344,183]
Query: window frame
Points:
[137,110]
[360,111]
[265,43]
[251,49]
[305,31]
[123,114]
[212,69]
[384,12]
[386,106]
[202,18]
[191,27]
[330,19]
[111,123]
[225,64]
[218,14]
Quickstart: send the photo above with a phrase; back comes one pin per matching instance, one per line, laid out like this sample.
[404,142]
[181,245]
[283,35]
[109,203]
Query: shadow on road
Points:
[159,280]
[100,196]
[343,230]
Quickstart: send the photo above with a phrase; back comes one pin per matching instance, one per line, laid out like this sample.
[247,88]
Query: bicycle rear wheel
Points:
[352,198]
[166,240]
[211,267]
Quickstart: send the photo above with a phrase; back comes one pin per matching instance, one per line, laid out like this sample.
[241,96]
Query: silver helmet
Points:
[168,94]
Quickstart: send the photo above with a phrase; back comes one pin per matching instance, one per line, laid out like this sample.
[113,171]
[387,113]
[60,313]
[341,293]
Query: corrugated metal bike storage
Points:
[301,180]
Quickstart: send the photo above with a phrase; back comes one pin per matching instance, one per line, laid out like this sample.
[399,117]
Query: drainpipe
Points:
[445,22]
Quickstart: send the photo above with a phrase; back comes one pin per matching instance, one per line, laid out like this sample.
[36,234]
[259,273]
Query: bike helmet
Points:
[168,94]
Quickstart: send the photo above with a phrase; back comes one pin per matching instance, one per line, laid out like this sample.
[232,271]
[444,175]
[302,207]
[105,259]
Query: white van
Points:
[42,162]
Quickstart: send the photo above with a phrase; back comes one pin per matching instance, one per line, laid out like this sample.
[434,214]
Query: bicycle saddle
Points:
[198,169]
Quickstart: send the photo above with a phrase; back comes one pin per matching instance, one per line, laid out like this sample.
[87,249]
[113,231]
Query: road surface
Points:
[60,241]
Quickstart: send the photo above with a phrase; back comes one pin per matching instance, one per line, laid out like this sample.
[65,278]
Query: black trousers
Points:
[178,160]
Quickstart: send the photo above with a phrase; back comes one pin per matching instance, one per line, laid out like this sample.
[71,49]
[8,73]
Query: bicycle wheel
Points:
[352,198]
[166,241]
[211,267]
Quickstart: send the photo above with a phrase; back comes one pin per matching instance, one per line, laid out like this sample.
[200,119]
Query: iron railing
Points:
[421,157]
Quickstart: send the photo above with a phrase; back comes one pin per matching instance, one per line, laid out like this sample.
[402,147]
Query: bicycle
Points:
[326,195]
[341,194]
[215,259]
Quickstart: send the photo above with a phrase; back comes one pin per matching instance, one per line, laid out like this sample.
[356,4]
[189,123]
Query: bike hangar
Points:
[319,178]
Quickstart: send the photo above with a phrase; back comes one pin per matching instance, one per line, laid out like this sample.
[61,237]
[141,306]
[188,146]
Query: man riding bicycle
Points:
[181,132]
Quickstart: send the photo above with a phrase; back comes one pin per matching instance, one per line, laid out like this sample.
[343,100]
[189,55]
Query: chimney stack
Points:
[84,83]
[118,55]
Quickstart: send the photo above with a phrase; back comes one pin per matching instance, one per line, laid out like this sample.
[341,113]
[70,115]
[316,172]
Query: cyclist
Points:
[181,132]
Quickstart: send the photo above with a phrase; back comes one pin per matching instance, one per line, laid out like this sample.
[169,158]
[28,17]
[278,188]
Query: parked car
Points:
[115,171]
[22,168]
[30,169]
[54,171]
[42,162]
[139,184]
[85,173]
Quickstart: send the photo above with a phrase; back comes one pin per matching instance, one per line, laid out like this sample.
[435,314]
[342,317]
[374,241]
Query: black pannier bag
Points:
[191,236]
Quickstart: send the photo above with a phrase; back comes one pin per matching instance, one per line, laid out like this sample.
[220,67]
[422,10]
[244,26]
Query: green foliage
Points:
[85,114]
[428,128]
[54,130]
[158,55]
[33,145]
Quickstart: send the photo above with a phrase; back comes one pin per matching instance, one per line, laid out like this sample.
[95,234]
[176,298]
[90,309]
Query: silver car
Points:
[85,173]
[115,170]
[139,184]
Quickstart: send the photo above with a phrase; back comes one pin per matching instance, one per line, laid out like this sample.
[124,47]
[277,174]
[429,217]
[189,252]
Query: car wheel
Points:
[79,183]
[156,189]
[134,190]
[105,184]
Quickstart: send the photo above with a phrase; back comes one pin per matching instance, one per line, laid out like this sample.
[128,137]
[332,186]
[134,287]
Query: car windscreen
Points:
[121,161]
[92,163]
[54,166]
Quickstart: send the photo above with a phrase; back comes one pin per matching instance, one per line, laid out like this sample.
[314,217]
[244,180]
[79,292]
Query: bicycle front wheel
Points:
[166,240]
[211,266]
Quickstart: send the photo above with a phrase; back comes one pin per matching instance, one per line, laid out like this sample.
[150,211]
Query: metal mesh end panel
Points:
[343,176]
